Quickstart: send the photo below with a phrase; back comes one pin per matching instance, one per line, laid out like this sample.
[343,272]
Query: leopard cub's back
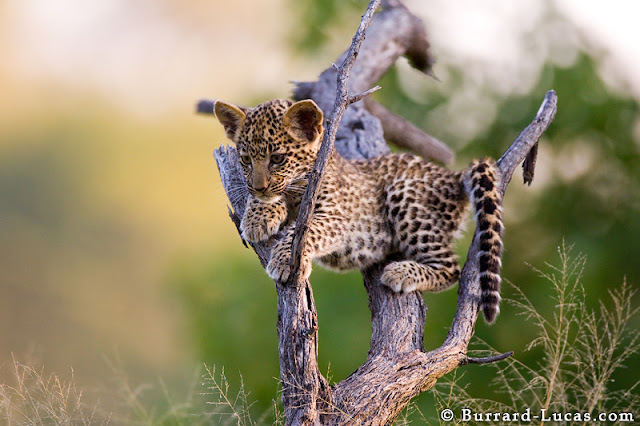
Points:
[424,201]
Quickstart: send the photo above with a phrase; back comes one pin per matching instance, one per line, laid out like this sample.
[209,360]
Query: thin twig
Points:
[356,98]
[486,360]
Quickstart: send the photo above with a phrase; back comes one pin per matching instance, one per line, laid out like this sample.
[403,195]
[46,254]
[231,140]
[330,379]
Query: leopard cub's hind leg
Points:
[431,274]
[430,263]
[425,214]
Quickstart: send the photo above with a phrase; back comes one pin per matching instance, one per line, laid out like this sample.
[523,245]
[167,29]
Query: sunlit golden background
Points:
[110,202]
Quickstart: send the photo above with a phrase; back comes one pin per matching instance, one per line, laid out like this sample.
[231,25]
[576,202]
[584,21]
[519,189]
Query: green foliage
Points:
[231,314]
[211,400]
[590,194]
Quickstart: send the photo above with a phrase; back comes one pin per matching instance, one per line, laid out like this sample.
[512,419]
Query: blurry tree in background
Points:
[587,192]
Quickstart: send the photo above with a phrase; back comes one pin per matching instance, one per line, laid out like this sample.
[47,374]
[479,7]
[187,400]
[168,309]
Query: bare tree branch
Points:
[527,140]
[417,48]
[401,132]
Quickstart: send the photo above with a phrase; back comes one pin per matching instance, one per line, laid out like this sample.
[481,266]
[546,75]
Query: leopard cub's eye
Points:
[245,159]
[277,158]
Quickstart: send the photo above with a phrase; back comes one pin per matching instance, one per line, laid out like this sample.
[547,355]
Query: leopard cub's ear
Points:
[231,117]
[303,121]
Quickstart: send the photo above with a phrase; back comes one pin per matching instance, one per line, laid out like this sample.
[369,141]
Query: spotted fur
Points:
[394,206]
[481,185]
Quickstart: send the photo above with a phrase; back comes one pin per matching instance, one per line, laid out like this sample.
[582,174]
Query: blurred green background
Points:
[114,235]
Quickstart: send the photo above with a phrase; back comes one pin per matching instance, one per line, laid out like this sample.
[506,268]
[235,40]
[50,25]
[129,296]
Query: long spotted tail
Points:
[481,183]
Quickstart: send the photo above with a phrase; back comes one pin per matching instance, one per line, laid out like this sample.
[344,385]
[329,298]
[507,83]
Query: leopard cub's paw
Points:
[257,228]
[278,271]
[399,276]
[278,268]
[262,221]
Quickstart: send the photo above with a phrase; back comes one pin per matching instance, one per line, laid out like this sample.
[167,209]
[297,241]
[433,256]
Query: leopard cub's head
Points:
[277,144]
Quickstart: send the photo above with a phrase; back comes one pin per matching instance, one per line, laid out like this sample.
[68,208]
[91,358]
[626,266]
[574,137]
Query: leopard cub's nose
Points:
[260,182]
[261,187]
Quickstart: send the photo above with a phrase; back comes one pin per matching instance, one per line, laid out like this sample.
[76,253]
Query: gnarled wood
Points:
[401,132]
[397,367]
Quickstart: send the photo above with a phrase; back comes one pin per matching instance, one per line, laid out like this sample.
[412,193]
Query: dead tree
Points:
[397,367]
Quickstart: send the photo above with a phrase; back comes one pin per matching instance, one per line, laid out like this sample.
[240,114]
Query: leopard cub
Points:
[394,206]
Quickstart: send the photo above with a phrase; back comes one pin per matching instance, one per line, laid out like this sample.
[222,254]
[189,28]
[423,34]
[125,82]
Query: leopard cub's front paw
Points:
[256,229]
[279,270]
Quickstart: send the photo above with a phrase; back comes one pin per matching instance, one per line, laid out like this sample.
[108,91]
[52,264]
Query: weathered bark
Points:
[406,135]
[397,367]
